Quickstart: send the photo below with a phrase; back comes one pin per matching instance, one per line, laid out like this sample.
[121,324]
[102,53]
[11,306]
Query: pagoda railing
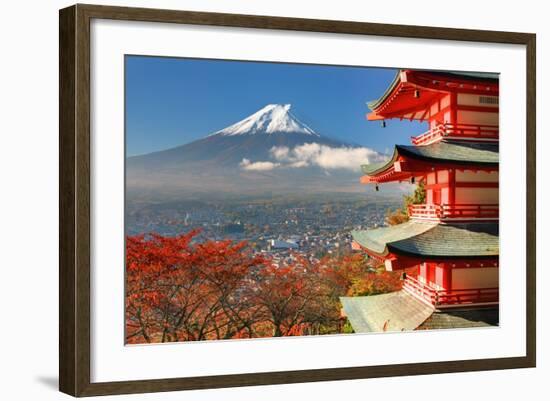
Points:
[472,132]
[420,290]
[457,211]
[448,298]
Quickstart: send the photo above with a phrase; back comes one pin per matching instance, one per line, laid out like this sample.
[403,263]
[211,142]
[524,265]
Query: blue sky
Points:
[173,101]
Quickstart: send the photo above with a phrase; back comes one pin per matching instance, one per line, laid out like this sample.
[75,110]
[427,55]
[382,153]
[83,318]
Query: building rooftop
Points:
[401,311]
[443,152]
[432,240]
[395,311]
[461,318]
[454,151]
[447,76]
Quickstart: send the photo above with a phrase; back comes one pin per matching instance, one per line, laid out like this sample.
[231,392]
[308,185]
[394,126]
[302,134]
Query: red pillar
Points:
[454,106]
[452,186]
[448,277]
[423,271]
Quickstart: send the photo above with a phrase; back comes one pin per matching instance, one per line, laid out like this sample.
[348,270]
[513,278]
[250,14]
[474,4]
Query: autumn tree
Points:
[358,275]
[296,298]
[177,291]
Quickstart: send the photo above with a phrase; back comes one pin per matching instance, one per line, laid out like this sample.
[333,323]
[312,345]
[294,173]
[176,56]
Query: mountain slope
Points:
[261,154]
[273,118]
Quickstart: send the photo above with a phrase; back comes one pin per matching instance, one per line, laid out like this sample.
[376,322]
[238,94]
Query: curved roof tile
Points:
[433,239]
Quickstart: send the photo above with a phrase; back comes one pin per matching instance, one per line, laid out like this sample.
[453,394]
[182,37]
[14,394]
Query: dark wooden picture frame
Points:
[74,204]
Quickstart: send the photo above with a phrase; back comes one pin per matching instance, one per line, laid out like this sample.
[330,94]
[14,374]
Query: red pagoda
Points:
[449,246]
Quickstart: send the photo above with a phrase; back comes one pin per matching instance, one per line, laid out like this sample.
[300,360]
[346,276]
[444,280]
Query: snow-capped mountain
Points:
[272,119]
[269,151]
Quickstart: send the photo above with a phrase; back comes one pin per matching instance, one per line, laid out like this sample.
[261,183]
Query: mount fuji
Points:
[272,119]
[271,151]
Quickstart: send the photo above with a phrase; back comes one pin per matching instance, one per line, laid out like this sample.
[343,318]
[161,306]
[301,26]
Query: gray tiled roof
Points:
[397,311]
[456,152]
[462,318]
[373,104]
[401,311]
[370,169]
[433,240]
[376,239]
[487,76]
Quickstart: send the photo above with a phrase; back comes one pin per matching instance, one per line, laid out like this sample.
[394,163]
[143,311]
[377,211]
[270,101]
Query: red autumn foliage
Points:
[296,298]
[179,290]
[354,275]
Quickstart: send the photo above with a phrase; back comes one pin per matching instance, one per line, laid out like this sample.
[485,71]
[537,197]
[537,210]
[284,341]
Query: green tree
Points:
[418,197]
[401,215]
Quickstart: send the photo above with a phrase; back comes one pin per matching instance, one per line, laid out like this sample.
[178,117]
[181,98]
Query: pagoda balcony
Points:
[461,132]
[457,211]
[450,298]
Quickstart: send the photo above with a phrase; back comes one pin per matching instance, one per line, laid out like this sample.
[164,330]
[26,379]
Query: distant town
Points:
[283,228]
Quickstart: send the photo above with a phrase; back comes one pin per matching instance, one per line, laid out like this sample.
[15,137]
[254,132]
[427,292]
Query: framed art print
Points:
[279,200]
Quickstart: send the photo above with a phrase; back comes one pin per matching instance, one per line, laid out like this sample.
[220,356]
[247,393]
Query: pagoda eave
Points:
[415,161]
[395,260]
[404,170]
[380,257]
[415,241]
[402,99]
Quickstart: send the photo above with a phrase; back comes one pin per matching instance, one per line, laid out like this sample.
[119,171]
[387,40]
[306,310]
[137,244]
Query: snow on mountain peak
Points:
[273,118]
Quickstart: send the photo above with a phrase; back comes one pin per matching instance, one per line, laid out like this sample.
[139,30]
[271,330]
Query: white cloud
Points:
[298,164]
[280,152]
[257,166]
[327,157]
[314,154]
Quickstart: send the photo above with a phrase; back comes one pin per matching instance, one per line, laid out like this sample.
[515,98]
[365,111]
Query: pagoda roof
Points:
[432,240]
[443,152]
[401,311]
[452,318]
[373,104]
[397,100]
[476,76]
[394,311]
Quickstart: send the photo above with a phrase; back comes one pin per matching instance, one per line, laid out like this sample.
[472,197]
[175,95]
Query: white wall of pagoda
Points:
[476,196]
[477,117]
[476,176]
[441,276]
[469,187]
[470,109]
[462,108]
[475,277]
[468,195]
[468,99]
